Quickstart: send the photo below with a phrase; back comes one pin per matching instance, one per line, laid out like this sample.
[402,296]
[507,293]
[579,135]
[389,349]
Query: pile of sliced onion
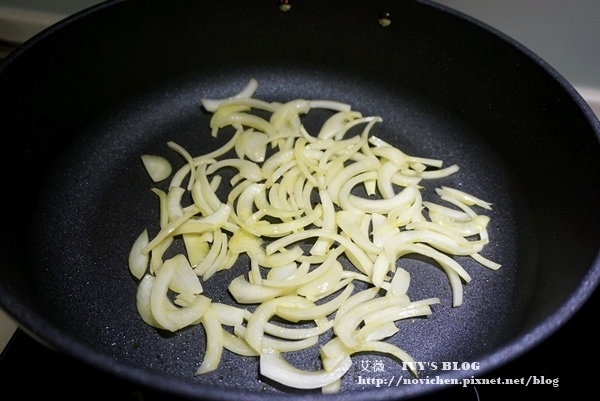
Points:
[300,206]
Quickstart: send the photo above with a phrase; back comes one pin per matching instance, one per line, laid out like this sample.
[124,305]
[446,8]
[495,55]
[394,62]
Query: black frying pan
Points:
[84,99]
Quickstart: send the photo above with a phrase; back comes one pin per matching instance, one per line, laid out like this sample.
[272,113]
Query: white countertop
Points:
[21,19]
[7,329]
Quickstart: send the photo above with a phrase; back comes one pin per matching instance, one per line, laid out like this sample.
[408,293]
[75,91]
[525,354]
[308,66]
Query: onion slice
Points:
[158,167]
[275,367]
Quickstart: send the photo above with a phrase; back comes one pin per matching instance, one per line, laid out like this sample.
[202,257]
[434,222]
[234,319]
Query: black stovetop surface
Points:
[28,368]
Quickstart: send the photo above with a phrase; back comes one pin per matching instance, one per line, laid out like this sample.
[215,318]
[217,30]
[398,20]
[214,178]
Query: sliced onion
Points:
[168,315]
[273,366]
[246,92]
[214,342]
[279,345]
[255,331]
[143,295]
[138,259]
[246,292]
[158,167]
[317,311]
[237,344]
[184,279]
[297,203]
[464,197]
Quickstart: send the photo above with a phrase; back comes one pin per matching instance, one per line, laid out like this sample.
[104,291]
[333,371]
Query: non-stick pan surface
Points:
[83,100]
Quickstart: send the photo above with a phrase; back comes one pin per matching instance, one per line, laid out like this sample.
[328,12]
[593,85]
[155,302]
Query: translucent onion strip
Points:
[273,366]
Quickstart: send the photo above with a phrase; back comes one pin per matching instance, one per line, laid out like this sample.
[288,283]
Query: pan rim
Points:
[36,326]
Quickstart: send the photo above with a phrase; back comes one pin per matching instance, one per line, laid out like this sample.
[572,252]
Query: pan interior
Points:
[97,199]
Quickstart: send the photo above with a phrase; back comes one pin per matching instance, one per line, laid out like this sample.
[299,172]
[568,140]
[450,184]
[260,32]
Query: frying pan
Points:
[84,99]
